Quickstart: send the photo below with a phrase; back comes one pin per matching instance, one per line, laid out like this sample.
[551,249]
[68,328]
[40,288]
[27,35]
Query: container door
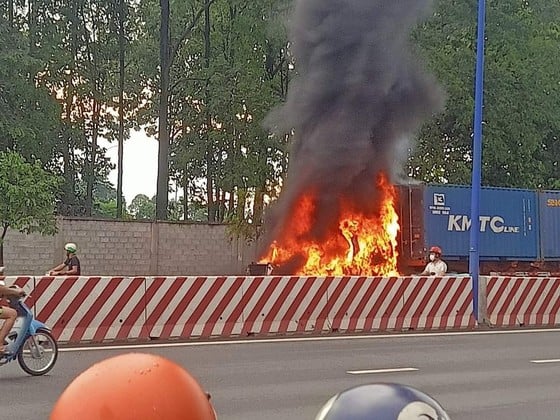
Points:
[549,220]
[508,223]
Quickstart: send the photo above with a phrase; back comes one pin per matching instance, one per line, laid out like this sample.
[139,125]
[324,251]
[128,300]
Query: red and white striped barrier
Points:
[230,306]
[96,309]
[91,309]
[226,306]
[365,303]
[20,281]
[191,306]
[523,301]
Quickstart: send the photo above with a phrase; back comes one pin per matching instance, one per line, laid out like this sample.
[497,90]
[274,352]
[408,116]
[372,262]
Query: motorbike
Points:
[30,341]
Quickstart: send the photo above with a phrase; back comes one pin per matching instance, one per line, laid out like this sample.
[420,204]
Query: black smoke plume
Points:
[358,99]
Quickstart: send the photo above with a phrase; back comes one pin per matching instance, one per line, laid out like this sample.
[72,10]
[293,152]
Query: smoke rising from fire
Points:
[359,97]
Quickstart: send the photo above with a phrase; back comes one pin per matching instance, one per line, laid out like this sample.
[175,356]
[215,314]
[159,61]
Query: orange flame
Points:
[363,245]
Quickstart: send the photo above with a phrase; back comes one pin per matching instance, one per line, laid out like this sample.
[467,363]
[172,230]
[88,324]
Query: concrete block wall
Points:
[199,250]
[32,254]
[131,248]
[109,246]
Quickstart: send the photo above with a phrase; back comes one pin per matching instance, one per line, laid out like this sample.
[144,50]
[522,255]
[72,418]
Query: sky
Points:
[139,164]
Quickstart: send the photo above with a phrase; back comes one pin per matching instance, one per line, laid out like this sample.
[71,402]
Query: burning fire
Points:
[362,245]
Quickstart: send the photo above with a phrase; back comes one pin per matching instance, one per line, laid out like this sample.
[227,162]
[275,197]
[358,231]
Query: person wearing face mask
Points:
[436,266]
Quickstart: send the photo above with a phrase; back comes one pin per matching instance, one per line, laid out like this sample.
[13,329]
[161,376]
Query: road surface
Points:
[484,375]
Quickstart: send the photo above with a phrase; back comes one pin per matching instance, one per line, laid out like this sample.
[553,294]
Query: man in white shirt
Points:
[436,266]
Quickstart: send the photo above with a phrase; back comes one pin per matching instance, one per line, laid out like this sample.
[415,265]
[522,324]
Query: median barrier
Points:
[402,303]
[90,309]
[522,301]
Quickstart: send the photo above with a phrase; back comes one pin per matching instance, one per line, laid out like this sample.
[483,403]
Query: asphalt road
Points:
[486,376]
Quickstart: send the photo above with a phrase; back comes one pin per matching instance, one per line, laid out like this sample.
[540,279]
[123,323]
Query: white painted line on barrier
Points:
[305,339]
[374,371]
[538,362]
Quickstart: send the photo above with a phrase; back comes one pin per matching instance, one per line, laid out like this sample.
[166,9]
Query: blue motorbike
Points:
[30,342]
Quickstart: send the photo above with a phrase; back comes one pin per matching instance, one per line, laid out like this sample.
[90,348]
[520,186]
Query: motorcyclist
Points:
[71,265]
[436,266]
[382,401]
[8,314]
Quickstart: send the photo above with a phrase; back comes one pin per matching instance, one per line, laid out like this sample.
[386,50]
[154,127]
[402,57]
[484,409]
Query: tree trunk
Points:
[93,156]
[69,198]
[258,206]
[69,181]
[11,13]
[121,111]
[210,185]
[231,209]
[4,230]
[69,173]
[186,195]
[32,16]
[221,203]
[209,148]
[167,54]
[163,133]
[284,75]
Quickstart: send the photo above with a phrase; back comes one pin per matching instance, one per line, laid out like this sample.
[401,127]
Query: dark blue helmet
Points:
[382,402]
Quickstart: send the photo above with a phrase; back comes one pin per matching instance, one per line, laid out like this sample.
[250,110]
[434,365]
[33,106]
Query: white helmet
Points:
[71,247]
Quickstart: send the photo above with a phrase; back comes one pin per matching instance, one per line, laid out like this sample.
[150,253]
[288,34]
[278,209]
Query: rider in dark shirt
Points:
[70,266]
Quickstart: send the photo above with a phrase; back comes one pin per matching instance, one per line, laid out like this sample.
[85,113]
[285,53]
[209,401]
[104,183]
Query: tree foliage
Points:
[67,66]
[28,195]
[142,207]
[223,80]
[522,94]
[29,116]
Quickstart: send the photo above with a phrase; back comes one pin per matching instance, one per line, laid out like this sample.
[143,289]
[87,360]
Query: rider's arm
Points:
[57,270]
[10,291]
[71,270]
[428,270]
[442,268]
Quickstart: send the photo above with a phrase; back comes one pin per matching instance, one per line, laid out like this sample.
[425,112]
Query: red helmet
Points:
[435,250]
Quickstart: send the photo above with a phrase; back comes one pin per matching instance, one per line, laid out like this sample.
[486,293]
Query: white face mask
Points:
[432,257]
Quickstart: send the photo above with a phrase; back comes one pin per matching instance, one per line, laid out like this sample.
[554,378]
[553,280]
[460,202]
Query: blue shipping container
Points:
[508,222]
[549,222]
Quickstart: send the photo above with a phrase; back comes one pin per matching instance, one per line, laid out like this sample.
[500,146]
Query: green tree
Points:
[522,94]
[105,201]
[81,46]
[169,49]
[29,117]
[238,71]
[228,65]
[28,195]
[175,210]
[142,207]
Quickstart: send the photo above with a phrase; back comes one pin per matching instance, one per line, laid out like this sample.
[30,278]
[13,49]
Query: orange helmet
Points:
[134,386]
[436,250]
